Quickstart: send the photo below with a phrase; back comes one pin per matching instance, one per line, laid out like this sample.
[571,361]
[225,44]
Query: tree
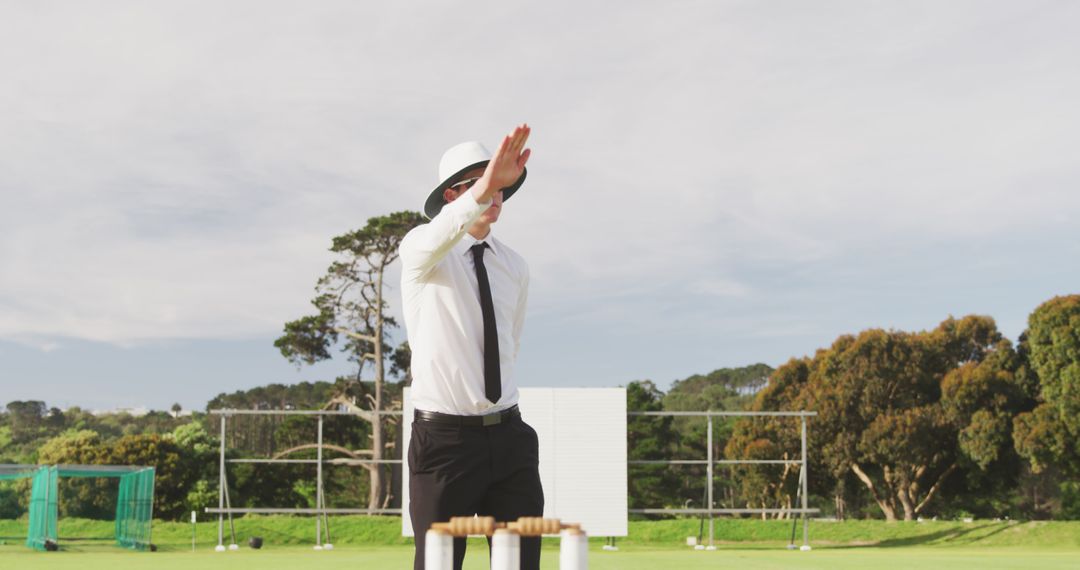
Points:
[649,438]
[174,473]
[26,418]
[350,303]
[199,452]
[95,497]
[903,411]
[89,498]
[401,363]
[257,435]
[768,486]
[1050,434]
[721,389]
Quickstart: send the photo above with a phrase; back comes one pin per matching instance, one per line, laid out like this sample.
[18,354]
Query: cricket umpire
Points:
[464,293]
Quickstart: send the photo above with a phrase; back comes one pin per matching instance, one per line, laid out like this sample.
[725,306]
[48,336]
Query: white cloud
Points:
[719,288]
[176,170]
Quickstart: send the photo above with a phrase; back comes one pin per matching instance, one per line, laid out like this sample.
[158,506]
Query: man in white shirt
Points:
[464,295]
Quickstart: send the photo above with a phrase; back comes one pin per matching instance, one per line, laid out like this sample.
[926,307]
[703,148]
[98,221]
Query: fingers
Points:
[520,136]
[505,147]
[510,150]
[500,155]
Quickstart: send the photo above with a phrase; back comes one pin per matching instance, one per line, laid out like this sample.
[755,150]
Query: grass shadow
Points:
[966,535]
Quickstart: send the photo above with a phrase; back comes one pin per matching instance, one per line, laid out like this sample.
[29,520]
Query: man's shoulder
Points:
[413,241]
[413,232]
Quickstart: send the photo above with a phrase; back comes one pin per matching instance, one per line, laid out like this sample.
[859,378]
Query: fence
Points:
[225,508]
[710,462]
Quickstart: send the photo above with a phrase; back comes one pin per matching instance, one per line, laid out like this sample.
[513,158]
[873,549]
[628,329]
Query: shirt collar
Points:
[467,241]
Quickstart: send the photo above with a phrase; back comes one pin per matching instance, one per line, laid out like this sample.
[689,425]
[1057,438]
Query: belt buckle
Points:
[491,419]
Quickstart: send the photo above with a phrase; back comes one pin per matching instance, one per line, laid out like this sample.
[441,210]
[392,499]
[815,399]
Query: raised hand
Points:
[508,163]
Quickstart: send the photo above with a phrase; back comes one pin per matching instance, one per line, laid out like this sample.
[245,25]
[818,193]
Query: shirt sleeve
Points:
[519,313]
[425,246]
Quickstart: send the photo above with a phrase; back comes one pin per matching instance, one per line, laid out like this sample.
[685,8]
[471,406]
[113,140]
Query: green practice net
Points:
[134,504]
[134,509]
[43,508]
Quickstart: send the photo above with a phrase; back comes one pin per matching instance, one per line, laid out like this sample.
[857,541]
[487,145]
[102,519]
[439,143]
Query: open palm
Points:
[509,161]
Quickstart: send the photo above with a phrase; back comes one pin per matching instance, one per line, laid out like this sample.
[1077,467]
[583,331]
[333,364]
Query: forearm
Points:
[484,190]
[428,244]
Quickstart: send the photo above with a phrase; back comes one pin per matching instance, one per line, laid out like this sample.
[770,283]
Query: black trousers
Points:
[459,471]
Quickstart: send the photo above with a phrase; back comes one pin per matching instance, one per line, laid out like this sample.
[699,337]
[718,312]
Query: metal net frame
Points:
[134,503]
[225,510]
[710,510]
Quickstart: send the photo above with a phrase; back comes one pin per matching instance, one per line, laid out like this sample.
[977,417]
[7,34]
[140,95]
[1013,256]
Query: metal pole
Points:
[228,509]
[318,486]
[805,476]
[709,474]
[221,487]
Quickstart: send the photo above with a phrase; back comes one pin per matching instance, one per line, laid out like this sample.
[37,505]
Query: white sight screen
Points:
[582,455]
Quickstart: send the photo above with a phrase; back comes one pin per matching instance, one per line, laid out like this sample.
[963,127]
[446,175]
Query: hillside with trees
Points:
[955,421]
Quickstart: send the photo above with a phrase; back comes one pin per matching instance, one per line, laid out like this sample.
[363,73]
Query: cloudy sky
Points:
[712,183]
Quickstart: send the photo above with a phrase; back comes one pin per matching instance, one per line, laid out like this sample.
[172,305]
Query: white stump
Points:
[573,550]
[438,550]
[505,550]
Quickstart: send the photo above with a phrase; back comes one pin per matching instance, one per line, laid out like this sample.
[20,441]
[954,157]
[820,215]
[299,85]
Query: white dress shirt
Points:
[441,300]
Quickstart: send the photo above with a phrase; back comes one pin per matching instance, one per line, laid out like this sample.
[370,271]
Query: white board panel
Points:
[590,459]
[582,435]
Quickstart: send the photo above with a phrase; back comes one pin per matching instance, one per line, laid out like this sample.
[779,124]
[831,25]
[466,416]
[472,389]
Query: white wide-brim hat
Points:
[456,162]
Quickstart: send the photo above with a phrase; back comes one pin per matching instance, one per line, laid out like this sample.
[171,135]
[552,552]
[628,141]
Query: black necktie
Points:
[492,373]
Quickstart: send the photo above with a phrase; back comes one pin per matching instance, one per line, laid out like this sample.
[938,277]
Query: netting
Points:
[134,505]
[43,509]
[134,509]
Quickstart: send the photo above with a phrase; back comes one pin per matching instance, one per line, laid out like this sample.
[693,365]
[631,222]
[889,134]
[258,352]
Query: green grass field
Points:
[631,558]
[363,542]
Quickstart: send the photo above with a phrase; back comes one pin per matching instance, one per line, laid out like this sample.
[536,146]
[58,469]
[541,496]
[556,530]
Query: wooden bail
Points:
[486,526]
[465,526]
[537,526]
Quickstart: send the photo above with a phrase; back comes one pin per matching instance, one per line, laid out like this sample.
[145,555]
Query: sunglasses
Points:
[464,184]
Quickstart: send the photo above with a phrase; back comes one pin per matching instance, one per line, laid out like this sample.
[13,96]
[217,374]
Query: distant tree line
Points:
[185,451]
[954,421]
[32,433]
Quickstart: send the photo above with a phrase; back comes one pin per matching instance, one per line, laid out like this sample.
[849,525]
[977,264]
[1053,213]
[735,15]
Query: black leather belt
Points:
[486,420]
